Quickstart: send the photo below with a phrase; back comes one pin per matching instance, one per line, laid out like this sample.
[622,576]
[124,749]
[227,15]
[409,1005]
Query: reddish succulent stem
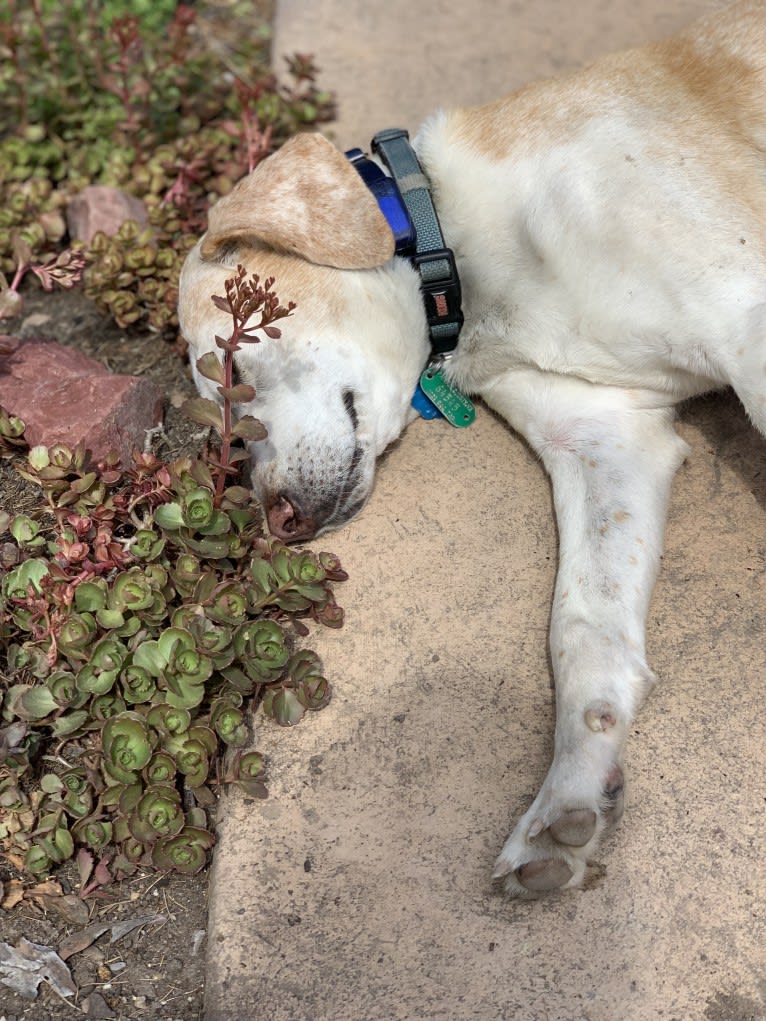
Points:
[228,363]
[18,276]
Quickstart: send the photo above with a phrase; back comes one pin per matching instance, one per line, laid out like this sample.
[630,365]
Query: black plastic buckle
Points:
[442,294]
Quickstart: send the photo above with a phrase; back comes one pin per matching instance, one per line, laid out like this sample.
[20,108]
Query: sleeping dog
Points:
[609,240]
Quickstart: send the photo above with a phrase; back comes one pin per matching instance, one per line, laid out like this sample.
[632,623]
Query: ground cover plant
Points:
[130,95]
[60,99]
[142,626]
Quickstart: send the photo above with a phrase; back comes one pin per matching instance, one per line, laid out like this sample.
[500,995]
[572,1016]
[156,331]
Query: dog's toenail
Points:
[502,868]
[535,829]
[574,828]
[548,874]
[600,717]
[614,799]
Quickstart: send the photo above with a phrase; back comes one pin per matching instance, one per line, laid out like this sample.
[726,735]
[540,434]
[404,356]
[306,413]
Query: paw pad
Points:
[574,828]
[546,874]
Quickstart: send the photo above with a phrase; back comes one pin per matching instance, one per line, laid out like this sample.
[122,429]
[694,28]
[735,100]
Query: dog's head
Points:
[334,390]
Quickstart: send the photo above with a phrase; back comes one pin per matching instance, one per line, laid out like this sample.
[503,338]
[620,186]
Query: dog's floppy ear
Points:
[306,199]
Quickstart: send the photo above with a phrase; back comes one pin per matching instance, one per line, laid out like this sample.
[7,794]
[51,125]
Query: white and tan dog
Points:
[610,234]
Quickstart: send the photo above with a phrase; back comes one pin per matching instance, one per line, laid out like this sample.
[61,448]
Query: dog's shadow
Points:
[730,436]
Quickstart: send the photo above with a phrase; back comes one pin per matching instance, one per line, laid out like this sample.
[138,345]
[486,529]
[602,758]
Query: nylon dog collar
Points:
[405,200]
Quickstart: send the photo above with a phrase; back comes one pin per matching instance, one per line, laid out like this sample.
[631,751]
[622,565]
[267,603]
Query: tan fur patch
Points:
[306,199]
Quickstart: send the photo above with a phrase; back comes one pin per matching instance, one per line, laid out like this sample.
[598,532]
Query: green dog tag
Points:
[456,407]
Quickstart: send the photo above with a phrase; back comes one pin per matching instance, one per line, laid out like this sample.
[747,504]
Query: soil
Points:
[157,970]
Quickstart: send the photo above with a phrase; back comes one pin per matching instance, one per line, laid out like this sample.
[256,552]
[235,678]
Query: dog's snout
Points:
[287,523]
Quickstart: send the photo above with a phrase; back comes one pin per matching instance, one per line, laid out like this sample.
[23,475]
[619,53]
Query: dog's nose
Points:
[286,521]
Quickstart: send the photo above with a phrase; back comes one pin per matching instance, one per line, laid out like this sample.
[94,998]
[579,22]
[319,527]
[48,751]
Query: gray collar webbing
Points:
[435,262]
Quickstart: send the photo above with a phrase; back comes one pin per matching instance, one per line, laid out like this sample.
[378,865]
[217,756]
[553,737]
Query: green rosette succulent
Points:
[95,833]
[261,649]
[16,583]
[198,509]
[98,675]
[228,722]
[62,685]
[104,707]
[29,657]
[186,669]
[309,575]
[126,747]
[146,544]
[178,666]
[90,596]
[185,574]
[37,862]
[76,635]
[134,850]
[75,792]
[282,705]
[249,773]
[311,688]
[161,770]
[138,685]
[54,839]
[185,852]
[170,721]
[29,701]
[131,591]
[191,754]
[212,639]
[157,814]
[227,604]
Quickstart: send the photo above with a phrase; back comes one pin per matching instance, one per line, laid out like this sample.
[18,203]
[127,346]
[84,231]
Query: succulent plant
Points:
[145,617]
[136,102]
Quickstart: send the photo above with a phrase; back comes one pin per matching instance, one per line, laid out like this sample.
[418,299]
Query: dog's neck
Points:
[405,200]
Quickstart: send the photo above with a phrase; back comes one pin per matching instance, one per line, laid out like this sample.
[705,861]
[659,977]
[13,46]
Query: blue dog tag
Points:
[424,406]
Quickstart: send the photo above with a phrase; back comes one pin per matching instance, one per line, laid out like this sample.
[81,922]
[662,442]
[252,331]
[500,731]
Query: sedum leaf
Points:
[249,428]
[211,367]
[203,411]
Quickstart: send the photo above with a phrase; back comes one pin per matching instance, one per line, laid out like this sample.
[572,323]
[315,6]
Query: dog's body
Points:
[610,234]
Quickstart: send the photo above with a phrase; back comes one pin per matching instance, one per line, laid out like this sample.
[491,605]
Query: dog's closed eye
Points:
[349,405]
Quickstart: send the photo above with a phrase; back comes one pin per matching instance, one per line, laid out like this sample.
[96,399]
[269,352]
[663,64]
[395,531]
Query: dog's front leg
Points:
[611,459]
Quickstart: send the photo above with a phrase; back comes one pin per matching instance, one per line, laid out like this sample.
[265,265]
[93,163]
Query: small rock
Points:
[96,1006]
[33,322]
[65,397]
[99,207]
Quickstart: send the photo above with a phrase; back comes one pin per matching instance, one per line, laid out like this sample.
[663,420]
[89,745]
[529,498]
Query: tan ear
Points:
[306,199]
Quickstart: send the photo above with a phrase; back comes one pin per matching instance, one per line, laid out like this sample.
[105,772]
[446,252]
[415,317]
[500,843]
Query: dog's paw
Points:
[550,847]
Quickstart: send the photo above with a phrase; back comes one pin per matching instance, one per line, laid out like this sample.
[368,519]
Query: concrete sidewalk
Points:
[360,891]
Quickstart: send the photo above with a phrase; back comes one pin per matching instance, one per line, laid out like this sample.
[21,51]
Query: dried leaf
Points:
[48,889]
[81,940]
[120,929]
[69,907]
[84,865]
[25,966]
[13,894]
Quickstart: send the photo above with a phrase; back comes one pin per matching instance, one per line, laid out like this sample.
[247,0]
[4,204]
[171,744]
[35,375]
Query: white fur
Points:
[610,234]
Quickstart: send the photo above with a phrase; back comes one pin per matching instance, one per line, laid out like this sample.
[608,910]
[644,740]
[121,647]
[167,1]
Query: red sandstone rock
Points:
[65,397]
[99,207]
